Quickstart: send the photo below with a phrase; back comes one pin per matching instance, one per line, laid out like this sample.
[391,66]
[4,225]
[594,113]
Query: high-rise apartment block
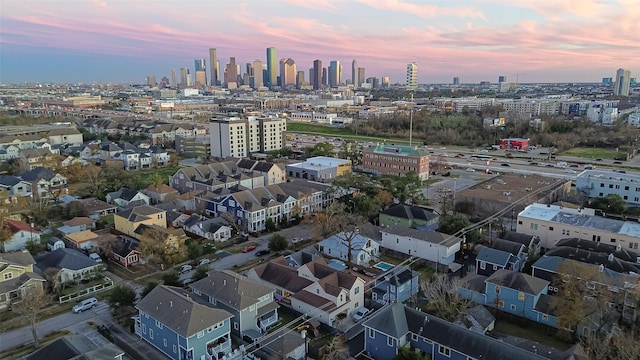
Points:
[622,82]
[174,78]
[334,73]
[316,79]
[412,76]
[238,137]
[456,81]
[214,68]
[272,67]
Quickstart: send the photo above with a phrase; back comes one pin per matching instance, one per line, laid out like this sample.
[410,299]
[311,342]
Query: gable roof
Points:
[279,273]
[79,220]
[139,213]
[518,281]
[493,256]
[125,246]
[410,212]
[398,320]
[123,193]
[65,258]
[524,239]
[16,226]
[339,242]
[162,189]
[9,180]
[234,290]
[38,173]
[175,309]
[511,247]
[19,258]
[429,236]
[76,347]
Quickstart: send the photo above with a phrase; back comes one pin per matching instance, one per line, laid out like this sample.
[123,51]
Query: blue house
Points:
[491,260]
[397,285]
[363,249]
[182,327]
[397,325]
[512,292]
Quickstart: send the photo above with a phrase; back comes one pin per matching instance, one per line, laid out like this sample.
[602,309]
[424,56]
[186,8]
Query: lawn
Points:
[24,350]
[312,129]
[595,153]
[533,331]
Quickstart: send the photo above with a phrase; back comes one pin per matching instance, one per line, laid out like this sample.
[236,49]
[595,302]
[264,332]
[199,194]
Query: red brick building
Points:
[395,160]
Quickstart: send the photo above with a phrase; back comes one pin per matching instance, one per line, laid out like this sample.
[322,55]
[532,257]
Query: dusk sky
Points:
[125,41]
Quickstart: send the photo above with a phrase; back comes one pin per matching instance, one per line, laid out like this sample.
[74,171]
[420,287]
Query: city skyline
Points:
[541,41]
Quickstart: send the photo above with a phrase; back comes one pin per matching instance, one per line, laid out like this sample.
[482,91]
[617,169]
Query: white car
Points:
[204,261]
[185,269]
[470,170]
[85,305]
[361,313]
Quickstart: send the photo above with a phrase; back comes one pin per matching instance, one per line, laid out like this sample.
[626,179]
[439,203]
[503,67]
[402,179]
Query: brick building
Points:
[395,160]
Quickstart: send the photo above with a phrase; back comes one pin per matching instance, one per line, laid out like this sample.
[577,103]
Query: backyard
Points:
[529,330]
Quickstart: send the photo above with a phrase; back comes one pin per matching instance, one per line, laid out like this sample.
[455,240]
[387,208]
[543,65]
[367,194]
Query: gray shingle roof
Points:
[518,281]
[493,256]
[175,309]
[234,290]
[65,258]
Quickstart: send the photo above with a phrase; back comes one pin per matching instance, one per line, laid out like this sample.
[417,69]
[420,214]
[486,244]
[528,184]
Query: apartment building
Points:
[239,137]
[395,160]
[600,183]
[552,223]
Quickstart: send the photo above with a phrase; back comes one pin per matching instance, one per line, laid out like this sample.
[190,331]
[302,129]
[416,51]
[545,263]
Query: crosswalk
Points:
[102,308]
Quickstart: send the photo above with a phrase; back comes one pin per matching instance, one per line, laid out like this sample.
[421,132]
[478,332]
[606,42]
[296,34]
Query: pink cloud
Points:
[422,10]
[314,5]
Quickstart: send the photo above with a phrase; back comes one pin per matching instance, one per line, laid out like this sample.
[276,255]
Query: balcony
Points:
[268,320]
[217,348]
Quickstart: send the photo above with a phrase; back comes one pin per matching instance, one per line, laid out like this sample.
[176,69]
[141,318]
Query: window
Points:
[521,296]
[389,341]
[513,307]
[483,265]
[550,228]
[372,333]
[500,304]
[495,267]
[200,334]
[545,317]
[414,337]
[164,342]
[158,324]
[174,349]
[357,290]
[519,222]
[8,276]
[444,350]
[235,326]
[151,333]
[534,226]
[144,328]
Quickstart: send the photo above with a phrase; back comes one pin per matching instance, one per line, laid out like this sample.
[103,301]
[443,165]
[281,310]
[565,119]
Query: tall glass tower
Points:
[272,67]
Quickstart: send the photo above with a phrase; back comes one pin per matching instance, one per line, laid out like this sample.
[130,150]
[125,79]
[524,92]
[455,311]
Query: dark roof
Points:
[246,164]
[428,236]
[138,213]
[17,282]
[493,256]
[483,316]
[596,258]
[124,193]
[518,281]
[544,305]
[234,290]
[523,239]
[125,246]
[76,347]
[511,247]
[64,258]
[20,258]
[9,180]
[263,166]
[38,174]
[599,247]
[175,309]
[410,212]
[398,320]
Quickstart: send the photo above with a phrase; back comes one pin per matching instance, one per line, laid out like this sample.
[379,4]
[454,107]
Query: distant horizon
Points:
[546,41]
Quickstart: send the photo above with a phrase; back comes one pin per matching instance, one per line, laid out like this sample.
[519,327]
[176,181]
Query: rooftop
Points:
[398,150]
[320,163]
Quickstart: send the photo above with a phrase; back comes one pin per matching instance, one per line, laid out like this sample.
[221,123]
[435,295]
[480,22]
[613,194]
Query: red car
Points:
[249,248]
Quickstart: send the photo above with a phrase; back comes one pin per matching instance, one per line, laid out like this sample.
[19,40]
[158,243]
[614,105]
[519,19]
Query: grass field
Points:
[312,129]
[595,153]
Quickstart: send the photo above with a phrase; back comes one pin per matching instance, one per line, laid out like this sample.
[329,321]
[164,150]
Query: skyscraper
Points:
[272,64]
[231,72]
[456,81]
[361,76]
[502,79]
[317,74]
[287,72]
[214,69]
[622,82]
[412,76]
[386,82]
[151,80]
[324,77]
[300,78]
[334,73]
[174,78]
[201,71]
[257,74]
[185,77]
[354,74]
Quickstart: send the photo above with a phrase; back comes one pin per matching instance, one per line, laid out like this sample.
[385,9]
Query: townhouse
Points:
[432,246]
[213,176]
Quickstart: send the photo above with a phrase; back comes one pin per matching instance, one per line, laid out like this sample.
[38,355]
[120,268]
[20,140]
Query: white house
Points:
[429,245]
[363,249]
[21,234]
[72,265]
[207,228]
[124,197]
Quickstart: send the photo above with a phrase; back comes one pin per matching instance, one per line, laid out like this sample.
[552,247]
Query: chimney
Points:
[224,282]
[170,303]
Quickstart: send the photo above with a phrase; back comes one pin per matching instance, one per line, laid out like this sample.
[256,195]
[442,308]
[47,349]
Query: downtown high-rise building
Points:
[300,78]
[456,80]
[288,72]
[201,72]
[214,67]
[412,75]
[502,79]
[361,77]
[622,82]
[151,80]
[386,82]
[256,78]
[334,73]
[185,76]
[316,79]
[231,73]
[174,78]
[272,67]
[354,74]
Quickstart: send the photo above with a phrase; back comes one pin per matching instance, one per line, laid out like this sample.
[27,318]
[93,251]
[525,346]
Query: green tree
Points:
[323,149]
[171,278]
[122,295]
[148,287]
[452,224]
[406,353]
[270,225]
[611,204]
[351,150]
[278,242]
[406,188]
[201,272]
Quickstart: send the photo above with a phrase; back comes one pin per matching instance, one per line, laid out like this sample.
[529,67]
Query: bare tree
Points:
[443,298]
[29,306]
[53,277]
[336,349]
[230,219]
[346,223]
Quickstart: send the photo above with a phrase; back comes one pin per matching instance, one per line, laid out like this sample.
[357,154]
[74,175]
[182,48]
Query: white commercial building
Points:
[600,183]
[238,137]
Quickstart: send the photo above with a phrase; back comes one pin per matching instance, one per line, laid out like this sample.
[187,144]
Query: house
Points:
[397,285]
[313,288]
[12,187]
[210,229]
[45,182]
[363,249]
[161,193]
[252,305]
[78,223]
[158,154]
[409,216]
[55,243]
[124,197]
[125,252]
[182,326]
[273,173]
[490,260]
[531,243]
[81,240]
[429,245]
[128,221]
[109,150]
[17,277]
[77,347]
[21,234]
[97,208]
[66,135]
[72,265]
[216,175]
[283,344]
[33,158]
[393,327]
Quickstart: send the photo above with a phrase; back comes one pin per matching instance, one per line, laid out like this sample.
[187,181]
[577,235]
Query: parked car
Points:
[204,261]
[85,305]
[95,257]
[185,269]
[361,313]
[249,248]
[262,252]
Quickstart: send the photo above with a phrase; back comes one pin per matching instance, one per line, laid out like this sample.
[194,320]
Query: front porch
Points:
[219,347]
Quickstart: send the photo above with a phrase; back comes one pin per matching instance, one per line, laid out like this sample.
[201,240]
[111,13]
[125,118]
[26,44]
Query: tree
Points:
[122,295]
[29,306]
[406,353]
[5,232]
[610,204]
[201,272]
[323,149]
[443,299]
[230,219]
[404,188]
[336,349]
[270,225]
[278,242]
[148,287]
[52,276]
[172,278]
[351,150]
[337,218]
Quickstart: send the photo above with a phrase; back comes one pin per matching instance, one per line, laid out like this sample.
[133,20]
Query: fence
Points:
[106,285]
